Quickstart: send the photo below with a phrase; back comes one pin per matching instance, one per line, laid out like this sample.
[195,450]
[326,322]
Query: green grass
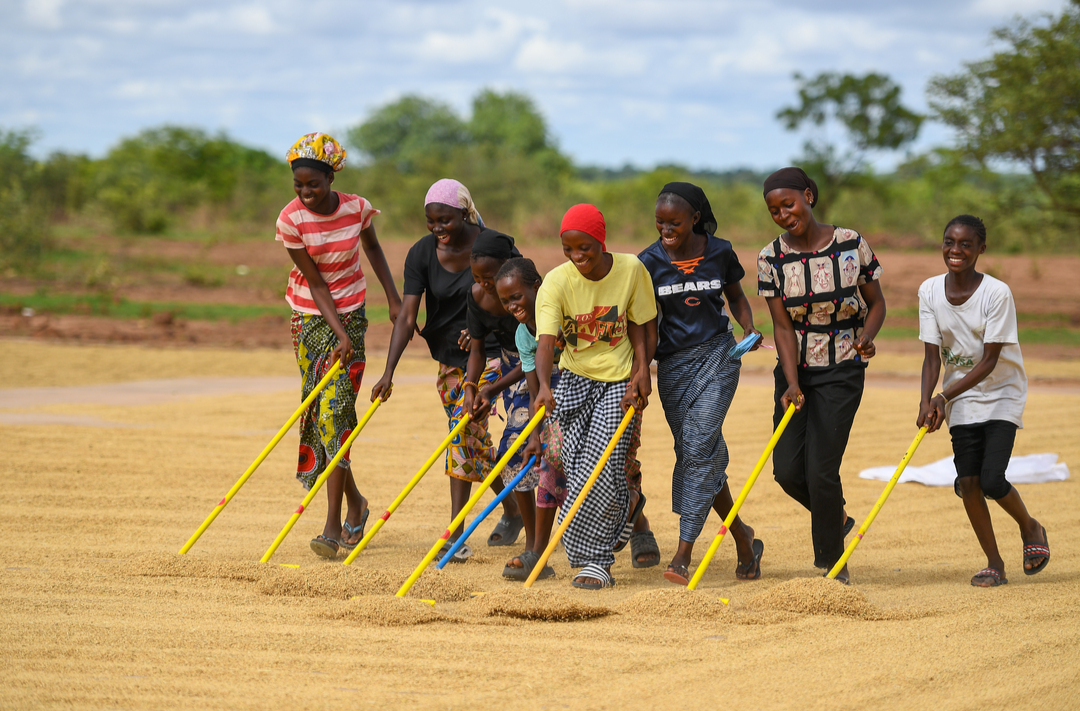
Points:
[105,305]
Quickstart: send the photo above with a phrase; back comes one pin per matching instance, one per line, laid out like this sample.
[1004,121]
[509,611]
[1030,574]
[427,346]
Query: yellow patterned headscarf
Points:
[317,150]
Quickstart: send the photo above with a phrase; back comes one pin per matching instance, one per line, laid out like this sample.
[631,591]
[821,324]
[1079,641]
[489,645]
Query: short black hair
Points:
[520,267]
[969,221]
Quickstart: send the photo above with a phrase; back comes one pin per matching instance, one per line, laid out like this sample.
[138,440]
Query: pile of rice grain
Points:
[338,582]
[383,611]
[170,565]
[537,605]
[818,596]
[341,582]
[437,584]
[676,603]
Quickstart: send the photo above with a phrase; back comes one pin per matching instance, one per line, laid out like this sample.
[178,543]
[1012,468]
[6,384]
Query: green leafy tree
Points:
[147,180]
[409,133]
[1022,105]
[24,228]
[869,110]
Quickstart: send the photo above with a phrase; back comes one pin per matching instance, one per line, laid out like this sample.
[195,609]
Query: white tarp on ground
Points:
[1030,469]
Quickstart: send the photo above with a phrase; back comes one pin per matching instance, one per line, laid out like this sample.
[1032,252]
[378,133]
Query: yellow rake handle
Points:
[877,507]
[521,439]
[408,489]
[262,455]
[704,564]
[320,481]
[580,499]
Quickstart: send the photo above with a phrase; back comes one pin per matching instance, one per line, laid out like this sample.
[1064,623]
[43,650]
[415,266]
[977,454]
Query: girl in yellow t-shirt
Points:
[601,303]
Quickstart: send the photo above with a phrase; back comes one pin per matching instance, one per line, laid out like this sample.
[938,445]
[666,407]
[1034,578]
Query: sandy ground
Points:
[98,611]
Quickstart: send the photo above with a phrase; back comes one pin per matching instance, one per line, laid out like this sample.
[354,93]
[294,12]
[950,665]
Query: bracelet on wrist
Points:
[943,396]
[467,383]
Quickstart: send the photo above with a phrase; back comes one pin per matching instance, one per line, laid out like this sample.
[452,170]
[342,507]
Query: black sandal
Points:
[528,559]
[508,529]
[644,543]
[742,572]
[1033,551]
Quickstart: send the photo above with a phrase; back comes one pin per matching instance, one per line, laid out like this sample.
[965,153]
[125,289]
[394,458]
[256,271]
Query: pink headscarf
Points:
[450,192]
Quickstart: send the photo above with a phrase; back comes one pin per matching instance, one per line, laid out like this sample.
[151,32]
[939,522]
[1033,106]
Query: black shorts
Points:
[983,451]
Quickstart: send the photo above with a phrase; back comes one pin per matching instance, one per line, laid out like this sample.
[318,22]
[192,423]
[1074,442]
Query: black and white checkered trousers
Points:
[587,413]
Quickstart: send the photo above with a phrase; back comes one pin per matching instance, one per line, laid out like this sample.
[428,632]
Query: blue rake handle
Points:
[484,514]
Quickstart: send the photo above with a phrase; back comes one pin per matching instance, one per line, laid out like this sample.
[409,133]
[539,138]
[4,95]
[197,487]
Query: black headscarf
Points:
[698,203]
[311,163]
[793,178]
[496,245]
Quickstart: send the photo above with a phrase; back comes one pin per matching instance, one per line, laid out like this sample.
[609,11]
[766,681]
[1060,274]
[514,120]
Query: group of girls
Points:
[579,343]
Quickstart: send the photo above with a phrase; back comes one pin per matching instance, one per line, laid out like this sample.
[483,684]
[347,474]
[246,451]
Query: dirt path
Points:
[99,612]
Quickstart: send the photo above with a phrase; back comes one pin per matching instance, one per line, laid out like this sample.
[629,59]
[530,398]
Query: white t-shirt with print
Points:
[988,316]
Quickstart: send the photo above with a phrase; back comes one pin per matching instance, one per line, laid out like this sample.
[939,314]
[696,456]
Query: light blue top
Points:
[527,344]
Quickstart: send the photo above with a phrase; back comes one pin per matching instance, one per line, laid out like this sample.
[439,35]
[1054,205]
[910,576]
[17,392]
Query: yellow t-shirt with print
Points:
[593,316]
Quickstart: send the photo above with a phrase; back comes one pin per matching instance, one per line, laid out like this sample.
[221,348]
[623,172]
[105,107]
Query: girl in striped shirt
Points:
[323,230]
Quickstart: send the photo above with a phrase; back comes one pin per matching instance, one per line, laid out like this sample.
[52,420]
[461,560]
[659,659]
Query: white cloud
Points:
[552,56]
[242,19]
[1009,8]
[43,13]
[640,80]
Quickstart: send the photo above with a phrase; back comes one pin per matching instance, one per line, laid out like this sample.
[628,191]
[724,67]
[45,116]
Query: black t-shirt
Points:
[482,324]
[690,294]
[445,296]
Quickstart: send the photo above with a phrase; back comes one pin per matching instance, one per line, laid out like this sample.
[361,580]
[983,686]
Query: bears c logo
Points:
[692,301]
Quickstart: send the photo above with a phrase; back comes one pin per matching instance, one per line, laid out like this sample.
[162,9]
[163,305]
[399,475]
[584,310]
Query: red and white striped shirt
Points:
[333,243]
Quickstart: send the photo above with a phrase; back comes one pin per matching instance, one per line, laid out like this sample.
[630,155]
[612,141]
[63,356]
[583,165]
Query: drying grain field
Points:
[111,456]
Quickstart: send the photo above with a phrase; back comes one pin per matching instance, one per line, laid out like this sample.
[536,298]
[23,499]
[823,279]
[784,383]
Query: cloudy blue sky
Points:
[696,82]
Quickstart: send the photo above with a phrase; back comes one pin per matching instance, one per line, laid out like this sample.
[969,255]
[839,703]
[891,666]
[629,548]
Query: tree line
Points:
[1015,162]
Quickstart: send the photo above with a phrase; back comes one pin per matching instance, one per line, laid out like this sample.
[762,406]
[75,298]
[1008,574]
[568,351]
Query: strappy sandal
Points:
[678,574]
[528,559]
[592,570]
[628,527]
[508,530]
[350,531]
[742,572]
[989,574]
[644,543]
[1033,551]
[325,547]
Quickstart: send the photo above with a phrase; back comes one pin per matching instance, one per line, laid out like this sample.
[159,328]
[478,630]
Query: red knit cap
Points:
[586,218]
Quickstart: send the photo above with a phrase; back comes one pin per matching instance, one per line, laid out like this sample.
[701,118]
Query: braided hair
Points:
[522,268]
[971,221]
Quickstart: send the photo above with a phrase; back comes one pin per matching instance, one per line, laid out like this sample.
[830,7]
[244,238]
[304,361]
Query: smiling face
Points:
[445,222]
[484,270]
[791,209]
[312,186]
[518,299]
[586,252]
[675,220]
[961,248]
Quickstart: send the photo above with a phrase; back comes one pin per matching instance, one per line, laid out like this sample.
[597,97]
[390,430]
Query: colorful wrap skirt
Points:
[516,405]
[471,455]
[329,421]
